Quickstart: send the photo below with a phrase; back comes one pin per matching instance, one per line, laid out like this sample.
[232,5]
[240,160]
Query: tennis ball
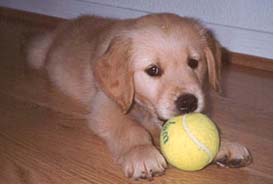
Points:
[189,142]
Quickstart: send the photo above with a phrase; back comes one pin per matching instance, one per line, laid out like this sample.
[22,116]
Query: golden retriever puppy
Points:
[135,74]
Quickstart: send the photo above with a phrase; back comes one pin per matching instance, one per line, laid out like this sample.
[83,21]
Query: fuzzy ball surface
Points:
[189,142]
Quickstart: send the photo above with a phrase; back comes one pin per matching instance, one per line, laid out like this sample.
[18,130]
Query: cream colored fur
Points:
[101,62]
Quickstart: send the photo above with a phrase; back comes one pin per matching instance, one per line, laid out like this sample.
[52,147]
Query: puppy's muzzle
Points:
[186,103]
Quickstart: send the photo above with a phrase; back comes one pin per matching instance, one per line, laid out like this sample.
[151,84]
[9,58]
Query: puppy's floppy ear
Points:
[213,55]
[114,75]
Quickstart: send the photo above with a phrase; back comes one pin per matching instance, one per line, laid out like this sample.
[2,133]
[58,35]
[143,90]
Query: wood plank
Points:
[251,61]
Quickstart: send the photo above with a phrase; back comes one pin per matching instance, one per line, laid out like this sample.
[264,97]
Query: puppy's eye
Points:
[153,70]
[193,63]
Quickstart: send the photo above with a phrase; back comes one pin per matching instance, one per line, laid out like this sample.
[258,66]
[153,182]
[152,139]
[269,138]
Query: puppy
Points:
[135,74]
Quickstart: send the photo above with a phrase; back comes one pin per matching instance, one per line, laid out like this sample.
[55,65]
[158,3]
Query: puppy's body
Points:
[134,74]
[69,53]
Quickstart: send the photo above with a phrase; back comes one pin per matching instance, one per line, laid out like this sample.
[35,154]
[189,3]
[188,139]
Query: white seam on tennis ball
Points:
[195,140]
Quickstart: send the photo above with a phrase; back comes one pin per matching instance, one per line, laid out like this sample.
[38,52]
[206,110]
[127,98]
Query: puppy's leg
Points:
[233,155]
[129,142]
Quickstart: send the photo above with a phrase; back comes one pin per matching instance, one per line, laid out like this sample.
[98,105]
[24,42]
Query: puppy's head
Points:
[161,64]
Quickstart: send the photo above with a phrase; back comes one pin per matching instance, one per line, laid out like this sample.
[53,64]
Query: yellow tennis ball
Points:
[189,142]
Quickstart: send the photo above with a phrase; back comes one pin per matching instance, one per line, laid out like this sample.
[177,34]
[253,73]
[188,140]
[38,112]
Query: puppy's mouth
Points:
[162,119]
[166,119]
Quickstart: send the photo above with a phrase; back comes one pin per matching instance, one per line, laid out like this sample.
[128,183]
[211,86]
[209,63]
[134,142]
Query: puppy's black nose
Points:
[186,103]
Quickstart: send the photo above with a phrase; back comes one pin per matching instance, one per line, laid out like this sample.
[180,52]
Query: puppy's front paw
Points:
[143,161]
[233,155]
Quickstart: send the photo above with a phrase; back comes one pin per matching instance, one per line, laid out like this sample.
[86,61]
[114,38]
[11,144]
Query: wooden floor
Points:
[45,139]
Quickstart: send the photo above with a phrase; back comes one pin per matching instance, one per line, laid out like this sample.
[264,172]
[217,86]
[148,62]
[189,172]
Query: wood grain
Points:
[45,139]
[251,61]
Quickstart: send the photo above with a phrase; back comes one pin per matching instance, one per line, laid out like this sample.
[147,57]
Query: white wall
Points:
[244,26]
